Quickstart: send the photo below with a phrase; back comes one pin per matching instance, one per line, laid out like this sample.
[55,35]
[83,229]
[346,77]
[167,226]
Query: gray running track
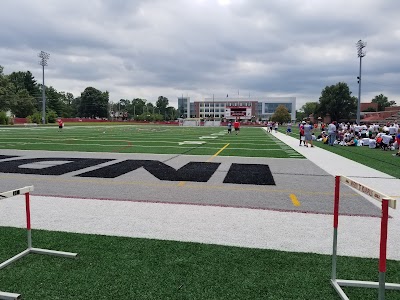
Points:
[297,181]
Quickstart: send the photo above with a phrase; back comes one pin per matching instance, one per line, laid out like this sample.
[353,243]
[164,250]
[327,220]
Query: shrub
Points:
[35,118]
[51,116]
[3,118]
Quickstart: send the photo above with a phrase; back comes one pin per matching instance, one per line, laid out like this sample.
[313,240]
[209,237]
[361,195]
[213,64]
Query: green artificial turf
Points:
[121,138]
[251,142]
[128,268]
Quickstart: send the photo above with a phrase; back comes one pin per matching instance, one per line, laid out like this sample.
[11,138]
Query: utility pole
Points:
[361,53]
[43,62]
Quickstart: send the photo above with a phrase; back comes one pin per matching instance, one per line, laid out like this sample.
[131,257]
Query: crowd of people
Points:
[386,137]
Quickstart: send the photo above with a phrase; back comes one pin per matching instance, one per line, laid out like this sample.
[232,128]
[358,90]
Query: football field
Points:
[188,165]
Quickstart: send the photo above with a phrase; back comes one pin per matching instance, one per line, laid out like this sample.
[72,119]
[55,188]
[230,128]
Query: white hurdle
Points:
[386,203]
[30,249]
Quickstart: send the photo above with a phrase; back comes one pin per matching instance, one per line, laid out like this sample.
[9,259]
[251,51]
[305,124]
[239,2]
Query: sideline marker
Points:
[386,203]
[30,249]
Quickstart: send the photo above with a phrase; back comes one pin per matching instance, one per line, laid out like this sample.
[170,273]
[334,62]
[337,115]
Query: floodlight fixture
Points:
[360,46]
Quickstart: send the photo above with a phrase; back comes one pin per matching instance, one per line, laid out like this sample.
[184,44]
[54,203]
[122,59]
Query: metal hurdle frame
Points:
[386,203]
[30,249]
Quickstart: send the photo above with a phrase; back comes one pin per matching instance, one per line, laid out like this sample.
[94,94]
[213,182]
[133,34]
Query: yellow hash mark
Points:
[294,199]
[216,154]
[181,183]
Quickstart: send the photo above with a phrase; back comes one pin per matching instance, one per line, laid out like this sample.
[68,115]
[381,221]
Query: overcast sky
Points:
[203,47]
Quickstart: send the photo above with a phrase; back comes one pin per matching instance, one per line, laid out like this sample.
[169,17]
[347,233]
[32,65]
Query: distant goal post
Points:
[190,122]
[387,202]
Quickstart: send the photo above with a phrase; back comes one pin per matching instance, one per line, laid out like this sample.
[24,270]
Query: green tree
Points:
[23,104]
[162,104]
[300,115]
[94,103]
[383,102]
[24,80]
[137,107]
[6,91]
[310,108]
[68,108]
[123,106]
[149,108]
[76,107]
[336,100]
[54,101]
[171,113]
[281,115]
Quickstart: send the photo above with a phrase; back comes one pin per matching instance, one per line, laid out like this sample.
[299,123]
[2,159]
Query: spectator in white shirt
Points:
[332,133]
[386,140]
[385,129]
[392,129]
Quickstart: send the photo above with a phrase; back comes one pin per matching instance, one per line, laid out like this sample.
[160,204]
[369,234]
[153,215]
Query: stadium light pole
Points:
[43,62]
[361,53]
[213,111]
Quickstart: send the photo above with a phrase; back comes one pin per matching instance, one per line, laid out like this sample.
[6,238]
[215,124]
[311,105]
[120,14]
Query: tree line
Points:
[22,96]
[337,101]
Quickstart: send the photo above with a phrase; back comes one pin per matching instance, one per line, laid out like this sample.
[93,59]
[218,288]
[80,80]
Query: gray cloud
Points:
[204,47]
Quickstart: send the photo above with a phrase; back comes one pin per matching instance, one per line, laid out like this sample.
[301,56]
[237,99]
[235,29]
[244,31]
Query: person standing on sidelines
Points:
[301,131]
[332,133]
[229,127]
[60,124]
[398,142]
[308,128]
[289,128]
[236,125]
[270,126]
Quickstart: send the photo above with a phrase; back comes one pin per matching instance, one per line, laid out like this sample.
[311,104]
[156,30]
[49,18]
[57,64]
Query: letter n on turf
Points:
[249,174]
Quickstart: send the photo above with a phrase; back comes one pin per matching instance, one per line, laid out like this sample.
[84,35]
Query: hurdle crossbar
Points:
[26,190]
[387,202]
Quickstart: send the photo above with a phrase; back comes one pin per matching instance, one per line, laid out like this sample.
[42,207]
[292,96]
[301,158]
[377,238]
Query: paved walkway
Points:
[337,165]
[290,231]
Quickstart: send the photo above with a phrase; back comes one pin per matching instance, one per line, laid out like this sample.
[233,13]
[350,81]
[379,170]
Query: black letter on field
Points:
[193,171]
[73,164]
[249,174]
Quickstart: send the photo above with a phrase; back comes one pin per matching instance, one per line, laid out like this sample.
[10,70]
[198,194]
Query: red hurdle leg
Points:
[28,219]
[335,226]
[383,248]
